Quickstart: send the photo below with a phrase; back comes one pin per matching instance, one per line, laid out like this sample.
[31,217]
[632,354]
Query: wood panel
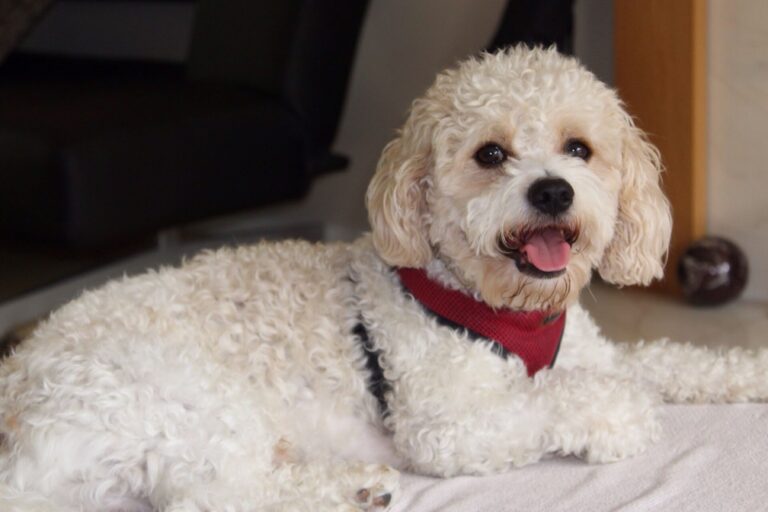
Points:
[660,54]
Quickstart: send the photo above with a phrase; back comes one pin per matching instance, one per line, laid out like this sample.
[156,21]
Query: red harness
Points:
[533,336]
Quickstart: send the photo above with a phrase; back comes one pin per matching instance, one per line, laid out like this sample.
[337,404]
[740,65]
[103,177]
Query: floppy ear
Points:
[637,252]
[395,198]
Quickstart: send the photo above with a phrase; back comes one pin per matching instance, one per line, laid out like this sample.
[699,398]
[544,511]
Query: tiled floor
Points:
[631,314]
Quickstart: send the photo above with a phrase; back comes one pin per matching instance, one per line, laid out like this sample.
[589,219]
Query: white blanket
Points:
[710,458]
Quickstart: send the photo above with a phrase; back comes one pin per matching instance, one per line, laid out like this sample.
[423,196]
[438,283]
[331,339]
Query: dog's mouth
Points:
[542,251]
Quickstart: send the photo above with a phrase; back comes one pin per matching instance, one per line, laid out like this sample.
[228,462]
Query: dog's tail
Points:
[14,500]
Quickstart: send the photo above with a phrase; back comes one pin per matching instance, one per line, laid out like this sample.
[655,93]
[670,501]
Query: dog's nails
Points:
[383,500]
[363,495]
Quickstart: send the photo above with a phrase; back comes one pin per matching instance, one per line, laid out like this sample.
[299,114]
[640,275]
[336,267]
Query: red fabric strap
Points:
[533,336]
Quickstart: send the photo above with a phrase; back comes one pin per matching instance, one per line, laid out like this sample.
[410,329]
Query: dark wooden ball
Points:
[712,271]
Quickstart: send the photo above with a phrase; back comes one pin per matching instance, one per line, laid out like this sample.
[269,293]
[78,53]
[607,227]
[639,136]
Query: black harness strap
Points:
[378,384]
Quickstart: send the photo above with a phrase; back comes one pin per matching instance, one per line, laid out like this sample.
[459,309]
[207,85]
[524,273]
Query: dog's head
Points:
[517,174]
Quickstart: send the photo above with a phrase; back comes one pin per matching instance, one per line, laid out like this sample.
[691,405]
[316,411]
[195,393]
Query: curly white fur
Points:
[235,382]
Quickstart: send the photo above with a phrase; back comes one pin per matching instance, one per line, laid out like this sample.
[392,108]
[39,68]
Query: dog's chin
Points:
[532,271]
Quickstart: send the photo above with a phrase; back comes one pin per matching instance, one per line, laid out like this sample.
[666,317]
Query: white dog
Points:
[285,376]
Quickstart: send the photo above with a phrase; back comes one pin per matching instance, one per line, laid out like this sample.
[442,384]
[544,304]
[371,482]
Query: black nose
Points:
[551,195]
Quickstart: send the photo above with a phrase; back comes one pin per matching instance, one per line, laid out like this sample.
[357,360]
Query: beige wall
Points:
[738,148]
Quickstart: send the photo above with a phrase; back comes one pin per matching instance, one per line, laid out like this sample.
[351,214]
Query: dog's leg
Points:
[315,487]
[454,430]
[339,486]
[679,372]
[601,418]
[689,373]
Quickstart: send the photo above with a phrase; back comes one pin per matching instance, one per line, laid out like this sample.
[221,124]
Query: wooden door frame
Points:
[660,63]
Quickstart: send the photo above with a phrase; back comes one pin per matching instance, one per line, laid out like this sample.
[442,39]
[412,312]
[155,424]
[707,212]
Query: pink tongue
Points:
[548,251]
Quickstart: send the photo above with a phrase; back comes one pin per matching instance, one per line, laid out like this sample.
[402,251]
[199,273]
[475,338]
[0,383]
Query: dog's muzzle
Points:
[541,251]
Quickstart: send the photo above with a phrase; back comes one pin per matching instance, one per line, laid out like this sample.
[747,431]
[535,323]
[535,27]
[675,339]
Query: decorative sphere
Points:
[712,271]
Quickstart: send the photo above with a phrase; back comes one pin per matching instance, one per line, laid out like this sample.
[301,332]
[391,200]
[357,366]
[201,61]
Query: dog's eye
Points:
[490,155]
[577,148]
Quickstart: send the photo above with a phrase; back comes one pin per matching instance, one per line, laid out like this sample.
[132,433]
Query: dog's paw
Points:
[622,433]
[375,486]
[376,498]
[603,419]
[612,445]
[338,486]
